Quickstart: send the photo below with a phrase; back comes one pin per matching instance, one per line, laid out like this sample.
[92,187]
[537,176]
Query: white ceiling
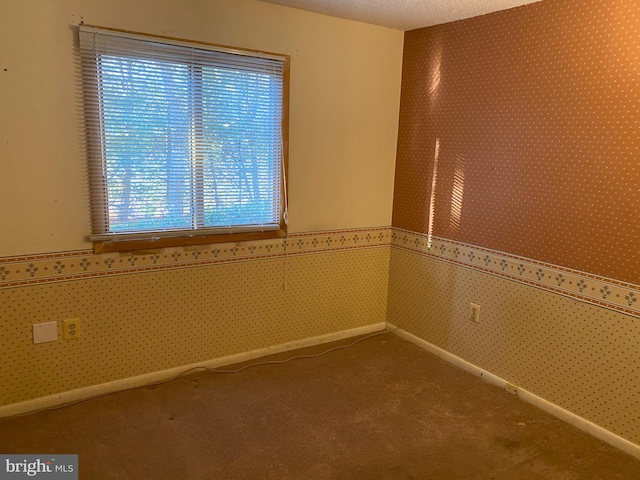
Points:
[402,14]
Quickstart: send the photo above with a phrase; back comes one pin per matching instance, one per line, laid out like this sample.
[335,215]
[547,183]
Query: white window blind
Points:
[183,139]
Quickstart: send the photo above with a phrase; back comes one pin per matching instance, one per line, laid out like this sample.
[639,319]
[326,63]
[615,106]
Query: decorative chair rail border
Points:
[83,264]
[601,291]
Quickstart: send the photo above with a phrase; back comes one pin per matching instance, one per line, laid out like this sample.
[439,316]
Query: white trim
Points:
[86,393]
[551,408]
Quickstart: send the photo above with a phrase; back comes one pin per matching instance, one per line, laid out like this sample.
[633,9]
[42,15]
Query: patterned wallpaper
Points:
[519,132]
[83,264]
[601,291]
[173,307]
[576,355]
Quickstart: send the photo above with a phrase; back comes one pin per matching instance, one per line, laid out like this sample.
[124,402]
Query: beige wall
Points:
[579,356]
[163,313]
[345,89]
[147,312]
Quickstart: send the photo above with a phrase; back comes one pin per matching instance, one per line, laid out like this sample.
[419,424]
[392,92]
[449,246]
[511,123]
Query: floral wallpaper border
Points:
[602,291]
[83,264]
[76,265]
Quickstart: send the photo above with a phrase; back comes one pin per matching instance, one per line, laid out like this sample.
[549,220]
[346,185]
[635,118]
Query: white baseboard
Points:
[551,408]
[85,393]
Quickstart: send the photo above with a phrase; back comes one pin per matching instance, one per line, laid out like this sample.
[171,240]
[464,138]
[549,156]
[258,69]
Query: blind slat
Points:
[181,137]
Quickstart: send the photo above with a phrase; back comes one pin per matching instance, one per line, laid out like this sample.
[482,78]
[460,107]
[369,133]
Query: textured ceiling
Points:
[403,14]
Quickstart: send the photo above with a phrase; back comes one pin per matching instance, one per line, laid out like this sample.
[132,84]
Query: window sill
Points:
[132,245]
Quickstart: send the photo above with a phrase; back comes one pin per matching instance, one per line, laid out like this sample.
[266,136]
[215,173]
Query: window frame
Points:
[185,237]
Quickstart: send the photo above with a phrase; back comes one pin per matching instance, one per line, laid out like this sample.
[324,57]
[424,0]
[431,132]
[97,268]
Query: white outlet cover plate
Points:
[476,307]
[45,332]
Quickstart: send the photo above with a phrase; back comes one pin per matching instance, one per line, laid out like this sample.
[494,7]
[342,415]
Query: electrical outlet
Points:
[45,332]
[511,389]
[71,328]
[475,312]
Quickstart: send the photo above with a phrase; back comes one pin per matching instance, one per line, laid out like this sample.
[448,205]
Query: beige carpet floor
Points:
[380,409]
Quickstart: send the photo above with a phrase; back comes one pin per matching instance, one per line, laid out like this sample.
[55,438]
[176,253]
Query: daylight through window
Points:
[184,139]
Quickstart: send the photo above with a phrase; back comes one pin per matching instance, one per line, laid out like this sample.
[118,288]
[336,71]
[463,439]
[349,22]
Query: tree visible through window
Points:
[182,140]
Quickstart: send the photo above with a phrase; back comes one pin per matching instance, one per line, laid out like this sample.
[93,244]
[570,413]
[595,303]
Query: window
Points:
[185,141]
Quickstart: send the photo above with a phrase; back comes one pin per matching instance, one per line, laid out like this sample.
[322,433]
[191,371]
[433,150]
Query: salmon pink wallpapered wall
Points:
[519,131]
